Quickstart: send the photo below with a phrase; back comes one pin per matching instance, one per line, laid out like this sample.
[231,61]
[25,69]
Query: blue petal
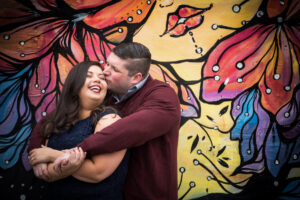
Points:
[292,187]
[276,151]
[245,115]
[295,156]
[291,191]
[247,143]
[15,117]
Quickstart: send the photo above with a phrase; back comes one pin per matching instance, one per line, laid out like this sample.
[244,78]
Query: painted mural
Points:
[234,65]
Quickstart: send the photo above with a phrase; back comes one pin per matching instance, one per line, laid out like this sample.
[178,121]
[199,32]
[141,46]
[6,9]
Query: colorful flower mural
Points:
[263,81]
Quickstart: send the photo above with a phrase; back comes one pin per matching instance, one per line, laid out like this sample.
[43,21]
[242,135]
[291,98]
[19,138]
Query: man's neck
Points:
[120,97]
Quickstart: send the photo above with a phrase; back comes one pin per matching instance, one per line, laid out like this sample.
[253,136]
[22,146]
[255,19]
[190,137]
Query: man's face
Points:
[116,74]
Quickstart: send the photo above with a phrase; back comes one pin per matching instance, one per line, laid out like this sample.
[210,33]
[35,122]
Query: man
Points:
[149,127]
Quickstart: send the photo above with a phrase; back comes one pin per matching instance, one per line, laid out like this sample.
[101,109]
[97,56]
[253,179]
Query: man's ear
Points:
[138,77]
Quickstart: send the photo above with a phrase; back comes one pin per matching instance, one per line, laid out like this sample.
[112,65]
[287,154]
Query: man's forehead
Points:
[112,56]
[114,59]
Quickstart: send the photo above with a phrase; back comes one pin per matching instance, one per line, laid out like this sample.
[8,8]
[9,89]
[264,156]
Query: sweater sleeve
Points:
[157,116]
[35,139]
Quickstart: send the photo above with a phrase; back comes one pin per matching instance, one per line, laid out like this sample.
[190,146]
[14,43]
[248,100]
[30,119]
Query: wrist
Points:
[54,155]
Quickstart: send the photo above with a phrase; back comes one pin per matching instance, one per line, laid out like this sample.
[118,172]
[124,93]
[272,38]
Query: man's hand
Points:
[41,171]
[70,161]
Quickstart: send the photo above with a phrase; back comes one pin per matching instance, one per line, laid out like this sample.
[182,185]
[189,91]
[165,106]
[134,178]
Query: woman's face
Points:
[94,89]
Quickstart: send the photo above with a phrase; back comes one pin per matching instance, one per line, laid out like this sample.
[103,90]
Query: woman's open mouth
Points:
[95,88]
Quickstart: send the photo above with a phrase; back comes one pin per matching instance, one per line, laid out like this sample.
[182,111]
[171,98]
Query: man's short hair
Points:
[137,55]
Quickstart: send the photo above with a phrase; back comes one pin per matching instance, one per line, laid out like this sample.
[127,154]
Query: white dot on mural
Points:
[282,3]
[243,22]
[199,50]
[276,162]
[295,156]
[276,183]
[196,162]
[216,128]
[286,114]
[22,54]
[148,2]
[216,68]
[239,80]
[101,62]
[276,76]
[192,184]
[130,19]
[7,162]
[260,13]
[246,114]
[240,65]
[44,114]
[182,169]
[287,88]
[214,26]
[120,30]
[36,85]
[236,8]
[199,152]
[208,178]
[139,11]
[249,151]
[268,91]
[43,91]
[21,43]
[279,19]
[238,107]
[217,78]
[189,98]
[12,186]
[6,37]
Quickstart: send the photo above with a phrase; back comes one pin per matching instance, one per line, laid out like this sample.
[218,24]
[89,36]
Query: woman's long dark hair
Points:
[67,108]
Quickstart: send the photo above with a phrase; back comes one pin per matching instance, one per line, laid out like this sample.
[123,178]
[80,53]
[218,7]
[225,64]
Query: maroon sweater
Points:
[149,128]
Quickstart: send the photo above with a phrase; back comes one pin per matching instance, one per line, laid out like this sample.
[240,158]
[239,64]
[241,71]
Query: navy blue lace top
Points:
[71,188]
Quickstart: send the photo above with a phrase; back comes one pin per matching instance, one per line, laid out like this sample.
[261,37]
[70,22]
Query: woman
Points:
[81,111]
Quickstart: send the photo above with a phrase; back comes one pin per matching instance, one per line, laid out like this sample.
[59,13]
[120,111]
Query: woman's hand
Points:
[43,155]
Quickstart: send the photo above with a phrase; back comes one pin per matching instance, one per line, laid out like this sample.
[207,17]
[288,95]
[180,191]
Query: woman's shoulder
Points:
[108,111]
[107,118]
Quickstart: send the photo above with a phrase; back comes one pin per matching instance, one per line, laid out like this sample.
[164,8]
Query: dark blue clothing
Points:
[71,188]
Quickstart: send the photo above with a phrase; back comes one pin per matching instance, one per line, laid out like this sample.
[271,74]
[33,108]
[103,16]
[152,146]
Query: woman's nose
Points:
[96,80]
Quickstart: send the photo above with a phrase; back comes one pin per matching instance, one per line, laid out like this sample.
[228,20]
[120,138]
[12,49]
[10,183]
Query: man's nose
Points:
[106,71]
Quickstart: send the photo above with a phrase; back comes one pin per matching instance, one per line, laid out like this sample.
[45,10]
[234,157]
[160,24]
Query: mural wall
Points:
[234,65]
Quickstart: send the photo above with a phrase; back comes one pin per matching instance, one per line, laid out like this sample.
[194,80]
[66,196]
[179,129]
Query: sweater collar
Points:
[131,90]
